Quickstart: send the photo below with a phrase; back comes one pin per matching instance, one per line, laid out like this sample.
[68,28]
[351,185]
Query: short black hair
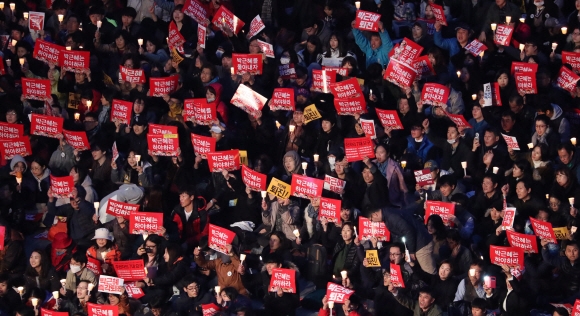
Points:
[5,278]
[447,179]
[511,114]
[80,256]
[479,303]
[189,190]
[129,11]
[543,118]
[427,290]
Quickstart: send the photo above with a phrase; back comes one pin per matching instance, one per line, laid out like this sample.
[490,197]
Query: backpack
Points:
[316,257]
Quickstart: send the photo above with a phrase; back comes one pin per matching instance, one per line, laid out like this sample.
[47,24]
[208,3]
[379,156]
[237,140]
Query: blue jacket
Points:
[423,150]
[380,55]
[449,44]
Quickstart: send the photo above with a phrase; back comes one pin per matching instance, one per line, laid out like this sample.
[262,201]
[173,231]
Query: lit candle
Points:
[464,166]
[233,71]
[554,46]
[140,41]
[61,17]
[1,5]
[316,156]
[55,295]
[21,60]
[96,205]
[8,62]
[331,304]
[292,128]
[12,6]
[493,26]
[304,166]
[264,193]
[522,46]
[357,5]
[278,125]
[571,200]
[473,97]
[25,15]
[403,164]
[296,233]
[99,24]
[217,289]
[89,103]
[370,93]
[343,274]
[138,158]
[91,286]
[68,48]
[508,19]
[20,290]
[573,141]
[531,145]
[63,282]
[34,301]
[14,42]
[495,170]
[458,73]
[19,180]
[77,116]
[522,20]
[355,233]
[564,30]
[242,257]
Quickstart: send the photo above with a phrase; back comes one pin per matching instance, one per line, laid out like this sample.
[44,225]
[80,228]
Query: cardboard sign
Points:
[195,10]
[109,284]
[145,222]
[44,125]
[224,160]
[16,146]
[279,188]
[62,187]
[350,106]
[311,113]
[48,312]
[199,111]
[368,127]
[10,131]
[256,26]
[175,40]
[572,59]
[475,47]
[121,111]
[284,279]
[389,118]
[247,63]
[35,21]
[333,184]
[439,13]
[512,256]
[423,177]
[219,237]
[423,67]
[74,60]
[254,180]
[163,145]
[133,291]
[124,210]
[357,148]
[397,276]
[400,74]
[210,309]
[511,142]
[46,51]
[132,75]
[443,209]
[202,145]
[130,270]
[435,94]
[36,89]
[248,100]
[562,233]
[406,52]
[543,230]
[336,293]
[567,79]
[518,66]
[321,80]
[164,85]
[369,229]
[267,49]
[94,265]
[282,100]
[526,83]
[372,257]
[526,242]
[102,310]
[367,21]
[509,216]
[224,17]
[306,187]
[330,210]
[503,35]
[346,89]
[77,140]
[201,35]
[287,71]
[459,120]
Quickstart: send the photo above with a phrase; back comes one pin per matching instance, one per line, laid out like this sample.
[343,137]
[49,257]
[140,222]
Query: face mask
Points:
[539,4]
[285,60]
[75,268]
[210,100]
[331,161]
[451,141]
[219,53]
[60,252]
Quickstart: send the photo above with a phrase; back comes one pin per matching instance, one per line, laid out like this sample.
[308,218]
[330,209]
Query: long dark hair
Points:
[44,265]
[175,252]
[440,230]
[312,57]
[341,48]
[158,241]
[82,172]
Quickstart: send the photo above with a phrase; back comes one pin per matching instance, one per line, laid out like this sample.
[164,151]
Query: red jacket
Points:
[197,226]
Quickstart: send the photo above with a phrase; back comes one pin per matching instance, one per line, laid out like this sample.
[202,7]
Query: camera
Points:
[148,250]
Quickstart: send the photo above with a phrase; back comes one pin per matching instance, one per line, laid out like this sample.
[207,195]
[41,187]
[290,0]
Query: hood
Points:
[294,155]
[129,193]
[87,182]
[16,159]
[214,80]
[45,175]
[286,265]
[557,111]
[218,90]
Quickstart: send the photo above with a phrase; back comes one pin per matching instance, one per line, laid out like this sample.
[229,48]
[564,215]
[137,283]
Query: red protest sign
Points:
[572,59]
[509,215]
[74,60]
[287,71]
[134,291]
[16,146]
[247,63]
[256,26]
[254,180]
[491,94]
[346,89]
[336,293]
[175,39]
[338,70]
[576,309]
[224,160]
[321,80]
[503,34]
[370,229]
[159,129]
[459,120]
[46,51]
[368,127]
[511,142]
[423,177]
[195,10]
[526,83]
[164,85]
[567,79]
[248,100]
[201,35]
[2,236]
[435,94]
[77,140]
[443,209]
[350,106]
[389,118]
[124,210]
[199,111]
[219,237]
[406,51]
[121,111]
[225,17]
[329,209]
[132,75]
[282,100]
[423,67]
[396,276]
[102,310]
[115,151]
[512,256]
[2,69]
[306,187]
[48,312]
[284,279]
[10,131]
[36,89]
[400,74]
[43,125]
[544,230]
[518,66]
[333,184]
[202,145]
[145,222]
[357,148]
[94,265]
[163,145]
[210,309]
[35,21]
[130,270]
[367,21]
[475,47]
[109,284]
[526,242]
[267,49]
[62,187]
[439,13]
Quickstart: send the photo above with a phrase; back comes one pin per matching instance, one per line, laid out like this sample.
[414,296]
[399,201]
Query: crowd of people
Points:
[425,223]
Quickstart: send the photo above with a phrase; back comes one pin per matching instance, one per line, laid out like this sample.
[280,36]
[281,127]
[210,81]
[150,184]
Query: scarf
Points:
[382,166]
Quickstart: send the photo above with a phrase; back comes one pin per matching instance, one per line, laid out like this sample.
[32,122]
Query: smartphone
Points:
[477,136]
[489,281]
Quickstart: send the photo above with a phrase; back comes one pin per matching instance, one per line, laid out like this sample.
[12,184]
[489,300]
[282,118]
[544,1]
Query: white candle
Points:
[8,62]
[20,290]
[19,180]
[522,20]
[554,46]
[242,257]
[357,4]
[331,304]
[370,93]
[464,164]
[138,158]
[63,282]
[233,71]
[264,193]
[61,17]
[12,6]
[1,5]
[292,128]
[571,200]
[316,156]
[495,170]
[14,42]
[21,60]
[304,165]
[458,73]
[217,289]
[564,30]
[91,286]
[140,41]
[34,302]
[493,26]
[355,233]
[68,48]
[343,274]
[89,103]
[55,295]
[547,196]
[96,204]
[573,141]
[403,163]
[278,125]
[99,24]
[473,97]
[77,116]
[530,145]
[522,46]
[508,19]
[25,14]
[296,233]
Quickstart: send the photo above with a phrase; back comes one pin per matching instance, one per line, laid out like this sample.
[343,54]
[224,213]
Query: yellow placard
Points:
[372,257]
[175,56]
[360,81]
[169,135]
[561,233]
[244,157]
[107,80]
[279,188]
[311,113]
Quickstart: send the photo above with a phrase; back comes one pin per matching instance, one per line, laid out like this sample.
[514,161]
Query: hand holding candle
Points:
[217,289]
[296,233]
[343,274]
[99,24]
[91,286]
[140,41]
[61,18]
[573,141]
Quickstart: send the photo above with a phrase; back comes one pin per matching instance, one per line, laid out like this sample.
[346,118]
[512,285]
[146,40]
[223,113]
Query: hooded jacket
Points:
[559,123]
[379,55]
[289,215]
[16,159]
[227,274]
[221,107]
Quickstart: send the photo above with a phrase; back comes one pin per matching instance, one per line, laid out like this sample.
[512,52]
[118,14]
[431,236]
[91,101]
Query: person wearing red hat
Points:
[61,252]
